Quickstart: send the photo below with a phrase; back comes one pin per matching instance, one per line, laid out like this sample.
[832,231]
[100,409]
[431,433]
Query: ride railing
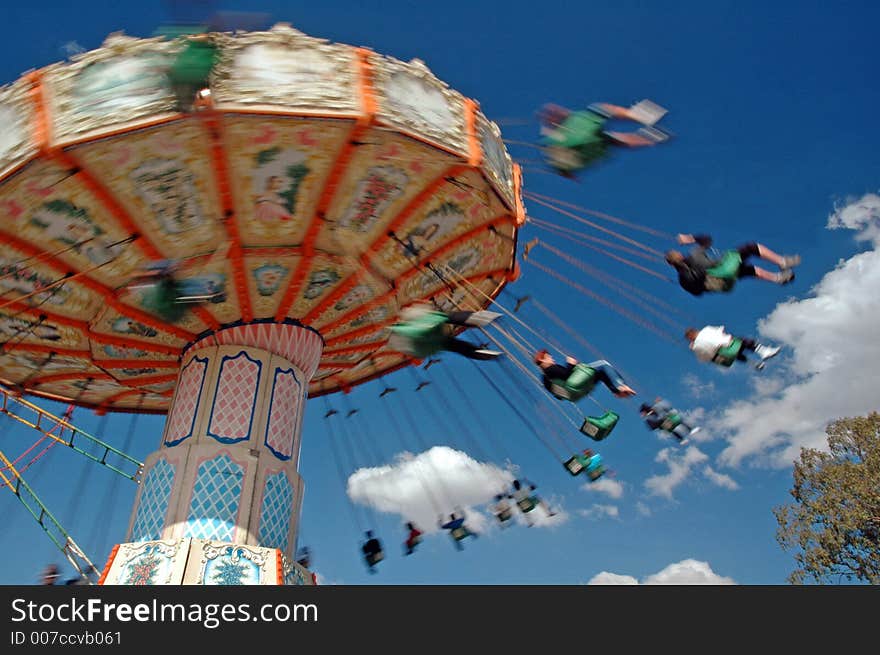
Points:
[53,529]
[69,435]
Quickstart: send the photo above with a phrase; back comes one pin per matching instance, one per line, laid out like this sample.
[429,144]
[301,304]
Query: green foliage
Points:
[834,522]
[295,174]
[267,156]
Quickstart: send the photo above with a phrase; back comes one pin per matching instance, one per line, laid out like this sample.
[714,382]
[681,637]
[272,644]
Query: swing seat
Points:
[161,299]
[726,356]
[595,467]
[579,383]
[422,337]
[599,427]
[574,465]
[504,515]
[723,276]
[459,533]
[375,558]
[671,422]
[526,505]
[194,63]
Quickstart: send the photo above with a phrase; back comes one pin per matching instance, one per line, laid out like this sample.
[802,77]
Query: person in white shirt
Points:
[713,344]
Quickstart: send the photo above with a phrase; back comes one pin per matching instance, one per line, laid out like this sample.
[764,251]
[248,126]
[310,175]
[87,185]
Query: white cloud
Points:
[833,353]
[688,572]
[697,387]
[685,572]
[680,467]
[413,486]
[720,479]
[599,511]
[862,214]
[603,485]
[539,517]
[606,578]
[643,509]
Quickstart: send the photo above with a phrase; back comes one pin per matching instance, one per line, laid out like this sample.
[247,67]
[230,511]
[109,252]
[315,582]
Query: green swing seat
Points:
[579,383]
[193,65]
[504,515]
[423,336]
[579,463]
[599,427]
[161,299]
[726,356]
[526,505]
[670,422]
[578,142]
[723,276]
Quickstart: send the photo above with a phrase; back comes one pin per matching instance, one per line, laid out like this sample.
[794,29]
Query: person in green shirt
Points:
[574,140]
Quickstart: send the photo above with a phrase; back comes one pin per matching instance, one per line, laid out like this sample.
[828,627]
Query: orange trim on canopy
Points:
[109,202]
[41,125]
[351,335]
[220,166]
[148,380]
[40,348]
[347,285]
[105,292]
[316,222]
[100,337]
[424,195]
[20,308]
[137,363]
[408,273]
[61,377]
[360,348]
[519,209]
[364,121]
[378,301]
[122,394]
[356,277]
[475,152]
[109,563]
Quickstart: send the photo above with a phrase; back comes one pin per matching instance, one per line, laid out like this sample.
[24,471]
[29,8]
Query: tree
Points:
[834,521]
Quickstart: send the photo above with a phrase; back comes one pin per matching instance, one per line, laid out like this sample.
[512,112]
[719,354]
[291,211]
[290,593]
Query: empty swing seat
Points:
[459,533]
[574,465]
[579,383]
[727,355]
[723,276]
[504,515]
[599,427]
[595,468]
[527,504]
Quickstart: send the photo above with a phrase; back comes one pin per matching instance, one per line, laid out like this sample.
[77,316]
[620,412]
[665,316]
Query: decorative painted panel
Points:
[151,564]
[232,412]
[284,409]
[216,496]
[153,503]
[232,565]
[289,70]
[186,404]
[275,512]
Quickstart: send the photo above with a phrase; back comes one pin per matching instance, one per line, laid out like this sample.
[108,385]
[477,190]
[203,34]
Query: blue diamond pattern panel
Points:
[154,502]
[275,512]
[215,499]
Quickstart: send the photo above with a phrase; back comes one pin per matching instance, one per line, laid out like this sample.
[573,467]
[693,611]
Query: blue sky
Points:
[773,111]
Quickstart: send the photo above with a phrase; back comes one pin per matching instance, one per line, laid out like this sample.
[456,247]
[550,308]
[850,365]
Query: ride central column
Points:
[219,501]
